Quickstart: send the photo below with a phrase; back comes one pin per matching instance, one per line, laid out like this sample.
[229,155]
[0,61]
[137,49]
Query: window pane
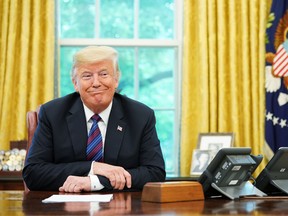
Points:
[165,128]
[77,18]
[117,19]
[156,19]
[126,64]
[66,56]
[156,66]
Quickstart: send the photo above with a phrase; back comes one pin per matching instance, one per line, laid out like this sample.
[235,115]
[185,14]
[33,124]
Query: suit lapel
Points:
[115,132]
[78,129]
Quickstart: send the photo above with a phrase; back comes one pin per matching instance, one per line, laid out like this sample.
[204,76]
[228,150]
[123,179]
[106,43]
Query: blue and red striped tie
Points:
[94,149]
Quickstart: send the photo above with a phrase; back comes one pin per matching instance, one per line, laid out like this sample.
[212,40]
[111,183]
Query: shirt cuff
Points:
[95,183]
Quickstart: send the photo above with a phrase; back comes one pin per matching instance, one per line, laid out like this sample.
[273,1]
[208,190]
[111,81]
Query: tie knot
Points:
[96,117]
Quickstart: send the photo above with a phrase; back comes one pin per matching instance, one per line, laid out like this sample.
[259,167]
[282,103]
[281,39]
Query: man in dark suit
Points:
[132,154]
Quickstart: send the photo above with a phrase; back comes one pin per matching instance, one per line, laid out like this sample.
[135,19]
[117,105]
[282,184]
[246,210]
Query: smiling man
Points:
[94,139]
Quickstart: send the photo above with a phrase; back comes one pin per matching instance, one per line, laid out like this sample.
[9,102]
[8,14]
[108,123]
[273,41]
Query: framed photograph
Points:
[215,141]
[200,161]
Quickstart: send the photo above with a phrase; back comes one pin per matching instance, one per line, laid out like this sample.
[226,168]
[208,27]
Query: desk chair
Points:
[32,121]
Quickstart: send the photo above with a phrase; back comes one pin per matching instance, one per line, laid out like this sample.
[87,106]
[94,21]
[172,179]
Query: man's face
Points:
[204,158]
[96,84]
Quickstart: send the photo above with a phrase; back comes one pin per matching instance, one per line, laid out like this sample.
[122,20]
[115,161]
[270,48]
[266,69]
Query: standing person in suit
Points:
[131,154]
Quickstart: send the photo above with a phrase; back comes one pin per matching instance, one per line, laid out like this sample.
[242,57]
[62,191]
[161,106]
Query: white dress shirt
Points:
[102,124]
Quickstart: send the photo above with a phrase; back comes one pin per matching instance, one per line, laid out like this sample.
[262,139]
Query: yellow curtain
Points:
[26,63]
[223,72]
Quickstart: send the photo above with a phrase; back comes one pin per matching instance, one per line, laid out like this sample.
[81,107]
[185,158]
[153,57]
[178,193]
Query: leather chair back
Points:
[32,122]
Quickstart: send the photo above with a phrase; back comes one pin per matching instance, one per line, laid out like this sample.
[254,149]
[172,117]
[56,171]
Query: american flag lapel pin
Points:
[119,128]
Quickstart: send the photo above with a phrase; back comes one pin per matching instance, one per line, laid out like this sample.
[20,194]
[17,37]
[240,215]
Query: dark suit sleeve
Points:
[51,160]
[151,162]
[105,182]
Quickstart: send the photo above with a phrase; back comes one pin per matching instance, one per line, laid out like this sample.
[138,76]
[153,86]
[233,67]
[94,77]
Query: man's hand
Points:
[117,175]
[76,184]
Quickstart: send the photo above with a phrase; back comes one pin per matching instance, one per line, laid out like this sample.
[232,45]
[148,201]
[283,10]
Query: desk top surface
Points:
[129,203]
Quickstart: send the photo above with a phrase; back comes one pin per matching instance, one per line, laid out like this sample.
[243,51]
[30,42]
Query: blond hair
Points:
[93,54]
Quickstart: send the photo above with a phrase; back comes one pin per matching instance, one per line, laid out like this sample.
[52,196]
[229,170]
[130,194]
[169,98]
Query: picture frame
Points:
[200,160]
[215,141]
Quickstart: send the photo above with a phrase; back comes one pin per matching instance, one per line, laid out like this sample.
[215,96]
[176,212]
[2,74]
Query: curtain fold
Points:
[27,38]
[223,73]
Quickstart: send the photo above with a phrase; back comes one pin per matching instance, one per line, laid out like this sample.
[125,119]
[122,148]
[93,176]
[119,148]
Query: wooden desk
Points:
[11,181]
[129,203]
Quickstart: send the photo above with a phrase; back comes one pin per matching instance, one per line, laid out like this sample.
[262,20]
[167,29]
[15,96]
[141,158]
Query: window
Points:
[147,35]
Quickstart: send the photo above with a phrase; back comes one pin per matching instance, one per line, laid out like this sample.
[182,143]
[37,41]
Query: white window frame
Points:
[175,43]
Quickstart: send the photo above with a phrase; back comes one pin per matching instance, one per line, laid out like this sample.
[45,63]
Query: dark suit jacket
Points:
[59,144]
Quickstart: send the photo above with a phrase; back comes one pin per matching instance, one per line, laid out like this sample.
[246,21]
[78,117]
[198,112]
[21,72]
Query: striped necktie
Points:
[94,149]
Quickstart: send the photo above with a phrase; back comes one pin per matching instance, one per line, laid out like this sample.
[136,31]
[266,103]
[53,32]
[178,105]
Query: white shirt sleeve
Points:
[95,183]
